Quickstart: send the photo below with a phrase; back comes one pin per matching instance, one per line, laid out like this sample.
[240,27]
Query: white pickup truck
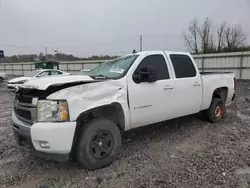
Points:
[61,118]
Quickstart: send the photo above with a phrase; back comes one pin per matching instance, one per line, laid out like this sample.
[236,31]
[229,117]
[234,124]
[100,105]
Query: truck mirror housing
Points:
[151,73]
[146,74]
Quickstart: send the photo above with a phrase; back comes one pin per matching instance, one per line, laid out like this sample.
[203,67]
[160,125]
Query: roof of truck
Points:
[160,51]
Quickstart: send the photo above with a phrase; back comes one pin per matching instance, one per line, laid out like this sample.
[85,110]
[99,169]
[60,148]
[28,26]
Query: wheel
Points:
[1,80]
[216,110]
[98,144]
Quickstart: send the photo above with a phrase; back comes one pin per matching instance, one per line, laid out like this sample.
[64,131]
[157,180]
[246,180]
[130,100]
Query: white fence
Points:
[21,68]
[238,62]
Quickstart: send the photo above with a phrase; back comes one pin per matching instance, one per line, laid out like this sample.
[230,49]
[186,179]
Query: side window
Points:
[158,62]
[183,66]
[55,72]
[45,73]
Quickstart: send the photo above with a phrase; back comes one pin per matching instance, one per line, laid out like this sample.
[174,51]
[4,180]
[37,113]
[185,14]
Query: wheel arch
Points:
[113,112]
[221,93]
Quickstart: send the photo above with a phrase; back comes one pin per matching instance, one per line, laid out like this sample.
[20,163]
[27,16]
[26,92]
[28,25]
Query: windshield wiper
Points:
[99,76]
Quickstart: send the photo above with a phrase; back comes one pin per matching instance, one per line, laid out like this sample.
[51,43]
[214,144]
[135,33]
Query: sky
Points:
[108,27]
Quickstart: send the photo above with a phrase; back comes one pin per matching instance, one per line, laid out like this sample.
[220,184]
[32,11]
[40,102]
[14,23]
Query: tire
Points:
[216,110]
[98,144]
[1,80]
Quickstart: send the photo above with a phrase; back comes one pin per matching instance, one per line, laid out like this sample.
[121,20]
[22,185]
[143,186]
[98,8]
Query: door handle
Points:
[196,84]
[168,87]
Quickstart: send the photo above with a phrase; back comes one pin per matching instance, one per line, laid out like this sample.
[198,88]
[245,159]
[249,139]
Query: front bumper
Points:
[59,137]
[11,86]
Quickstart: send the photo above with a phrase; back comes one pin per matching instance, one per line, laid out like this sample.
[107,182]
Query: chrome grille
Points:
[23,113]
[24,99]
[25,108]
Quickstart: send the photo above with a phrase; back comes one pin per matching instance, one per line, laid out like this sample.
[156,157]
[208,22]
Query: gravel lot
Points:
[185,152]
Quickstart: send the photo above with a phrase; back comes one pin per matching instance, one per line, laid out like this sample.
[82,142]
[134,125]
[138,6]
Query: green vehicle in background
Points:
[47,65]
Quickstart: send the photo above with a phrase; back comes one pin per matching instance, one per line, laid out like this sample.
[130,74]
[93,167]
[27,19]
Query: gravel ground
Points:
[185,152]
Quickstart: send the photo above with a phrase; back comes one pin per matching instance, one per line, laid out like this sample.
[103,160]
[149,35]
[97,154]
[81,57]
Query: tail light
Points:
[234,83]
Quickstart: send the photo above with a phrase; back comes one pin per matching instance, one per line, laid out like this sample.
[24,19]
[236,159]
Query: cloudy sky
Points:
[87,27]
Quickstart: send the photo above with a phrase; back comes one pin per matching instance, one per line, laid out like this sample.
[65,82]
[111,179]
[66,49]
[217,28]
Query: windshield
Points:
[31,74]
[113,69]
[82,72]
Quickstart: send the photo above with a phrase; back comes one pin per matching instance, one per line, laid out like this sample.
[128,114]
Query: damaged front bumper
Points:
[22,134]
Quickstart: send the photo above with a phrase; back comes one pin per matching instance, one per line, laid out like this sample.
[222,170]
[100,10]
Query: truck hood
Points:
[44,83]
[19,79]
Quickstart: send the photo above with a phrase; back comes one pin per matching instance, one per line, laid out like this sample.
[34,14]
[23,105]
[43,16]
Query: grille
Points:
[23,113]
[24,109]
[24,99]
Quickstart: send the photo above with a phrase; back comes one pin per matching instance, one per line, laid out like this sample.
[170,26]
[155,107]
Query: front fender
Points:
[82,98]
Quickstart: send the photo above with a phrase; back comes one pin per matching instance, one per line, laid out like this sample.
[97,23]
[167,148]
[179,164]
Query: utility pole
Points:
[45,52]
[140,42]
[241,61]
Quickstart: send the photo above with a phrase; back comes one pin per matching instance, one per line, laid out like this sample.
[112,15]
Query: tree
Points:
[221,36]
[211,46]
[234,38]
[228,38]
[247,48]
[27,57]
[14,58]
[30,59]
[191,39]
[42,56]
[206,36]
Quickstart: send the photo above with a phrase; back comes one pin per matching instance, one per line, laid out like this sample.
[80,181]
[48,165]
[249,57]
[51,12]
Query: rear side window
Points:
[45,73]
[159,63]
[55,73]
[183,66]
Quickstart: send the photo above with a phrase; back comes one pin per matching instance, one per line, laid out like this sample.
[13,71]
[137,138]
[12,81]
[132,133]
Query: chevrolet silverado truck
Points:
[82,117]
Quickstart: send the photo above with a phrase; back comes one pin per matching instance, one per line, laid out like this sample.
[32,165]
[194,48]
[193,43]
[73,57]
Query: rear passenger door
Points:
[187,85]
[151,102]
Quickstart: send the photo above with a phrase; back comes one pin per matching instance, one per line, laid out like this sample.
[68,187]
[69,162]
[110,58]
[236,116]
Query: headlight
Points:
[51,110]
[20,82]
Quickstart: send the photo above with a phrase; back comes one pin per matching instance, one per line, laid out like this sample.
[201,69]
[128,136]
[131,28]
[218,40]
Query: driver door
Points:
[151,102]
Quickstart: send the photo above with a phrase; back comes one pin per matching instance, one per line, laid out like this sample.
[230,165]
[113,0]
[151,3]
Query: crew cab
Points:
[83,116]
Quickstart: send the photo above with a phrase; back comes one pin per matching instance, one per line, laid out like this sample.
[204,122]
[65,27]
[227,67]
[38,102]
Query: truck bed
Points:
[214,80]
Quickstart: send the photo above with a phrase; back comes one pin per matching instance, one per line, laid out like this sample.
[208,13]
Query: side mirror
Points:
[147,74]
[151,73]
[137,78]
